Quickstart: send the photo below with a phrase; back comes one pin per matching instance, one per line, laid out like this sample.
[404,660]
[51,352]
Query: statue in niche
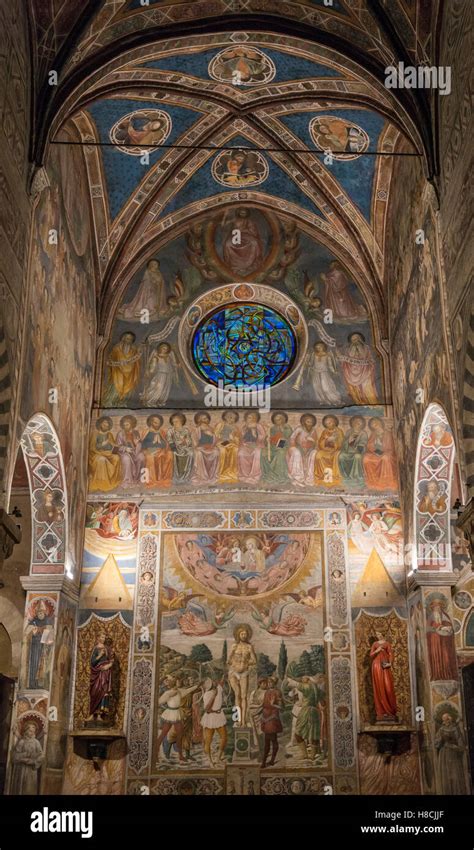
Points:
[242,660]
[383,686]
[102,666]
[27,757]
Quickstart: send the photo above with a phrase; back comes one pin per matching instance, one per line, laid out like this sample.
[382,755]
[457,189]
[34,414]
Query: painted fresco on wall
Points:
[109,560]
[241,655]
[61,251]
[376,552]
[222,450]
[38,641]
[149,359]
[103,644]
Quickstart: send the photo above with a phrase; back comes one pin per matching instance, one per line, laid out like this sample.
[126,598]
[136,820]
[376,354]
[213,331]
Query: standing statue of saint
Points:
[241,661]
[383,686]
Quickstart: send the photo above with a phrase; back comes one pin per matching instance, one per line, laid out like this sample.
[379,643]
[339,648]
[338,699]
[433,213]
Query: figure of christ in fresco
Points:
[252,441]
[172,717]
[206,451]
[434,500]
[326,470]
[241,661]
[322,370]
[105,470]
[310,723]
[228,438]
[358,368]
[440,642]
[213,719]
[244,254]
[302,451]
[450,746]
[338,296]
[379,461]
[100,683]
[180,442]
[151,296]
[274,456]
[27,757]
[161,374]
[124,366]
[39,637]
[352,452]
[157,453]
[129,447]
[383,687]
[271,723]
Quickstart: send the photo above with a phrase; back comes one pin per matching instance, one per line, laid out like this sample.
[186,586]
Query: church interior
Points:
[236,398]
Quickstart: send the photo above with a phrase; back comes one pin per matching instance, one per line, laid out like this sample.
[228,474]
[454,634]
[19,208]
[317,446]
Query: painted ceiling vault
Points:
[174,123]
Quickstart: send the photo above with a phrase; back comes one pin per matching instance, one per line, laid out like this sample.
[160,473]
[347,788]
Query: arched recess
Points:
[435,457]
[49,510]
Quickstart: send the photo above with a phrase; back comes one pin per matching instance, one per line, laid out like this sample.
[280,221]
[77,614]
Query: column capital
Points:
[49,583]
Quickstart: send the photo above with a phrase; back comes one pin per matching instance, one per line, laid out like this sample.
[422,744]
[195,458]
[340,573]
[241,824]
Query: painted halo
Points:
[139,131]
[343,138]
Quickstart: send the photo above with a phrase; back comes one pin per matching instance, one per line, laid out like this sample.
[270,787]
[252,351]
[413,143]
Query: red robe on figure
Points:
[382,680]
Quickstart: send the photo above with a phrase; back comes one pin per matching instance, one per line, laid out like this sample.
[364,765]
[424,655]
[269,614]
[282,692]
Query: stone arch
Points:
[435,457]
[49,509]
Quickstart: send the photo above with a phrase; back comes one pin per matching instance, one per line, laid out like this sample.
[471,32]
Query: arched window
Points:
[432,491]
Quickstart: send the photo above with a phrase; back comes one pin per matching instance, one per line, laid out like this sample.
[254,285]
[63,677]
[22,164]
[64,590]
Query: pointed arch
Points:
[435,457]
[49,510]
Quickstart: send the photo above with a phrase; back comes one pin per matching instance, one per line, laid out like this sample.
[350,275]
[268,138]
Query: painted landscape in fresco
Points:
[241,628]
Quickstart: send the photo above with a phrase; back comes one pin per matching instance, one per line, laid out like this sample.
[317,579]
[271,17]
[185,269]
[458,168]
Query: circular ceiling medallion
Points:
[242,66]
[240,168]
[342,138]
[139,131]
